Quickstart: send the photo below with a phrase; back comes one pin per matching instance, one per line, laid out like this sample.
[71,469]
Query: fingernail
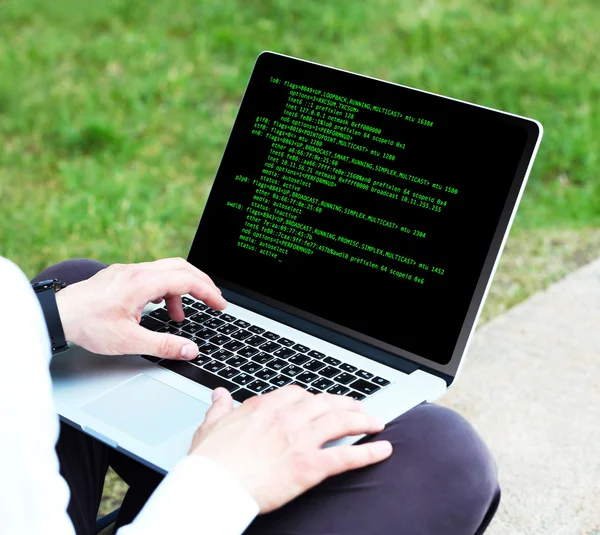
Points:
[383,448]
[189,352]
[216,394]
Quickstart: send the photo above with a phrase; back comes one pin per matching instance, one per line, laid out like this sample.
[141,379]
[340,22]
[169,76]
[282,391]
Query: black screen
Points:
[357,201]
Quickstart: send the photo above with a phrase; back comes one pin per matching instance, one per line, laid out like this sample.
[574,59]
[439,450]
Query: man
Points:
[427,472]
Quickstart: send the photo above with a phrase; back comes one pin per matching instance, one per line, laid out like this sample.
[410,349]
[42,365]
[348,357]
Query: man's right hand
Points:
[272,444]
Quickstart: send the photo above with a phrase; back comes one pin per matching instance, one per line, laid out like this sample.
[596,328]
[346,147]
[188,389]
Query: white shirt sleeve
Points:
[196,497]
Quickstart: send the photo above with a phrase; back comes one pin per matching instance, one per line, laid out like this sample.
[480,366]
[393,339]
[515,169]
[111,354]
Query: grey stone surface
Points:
[530,386]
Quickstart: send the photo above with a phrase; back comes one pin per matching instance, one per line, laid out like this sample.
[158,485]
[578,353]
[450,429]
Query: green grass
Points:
[114,114]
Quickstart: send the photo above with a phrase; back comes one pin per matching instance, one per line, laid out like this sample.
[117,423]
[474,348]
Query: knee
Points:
[71,271]
[452,467]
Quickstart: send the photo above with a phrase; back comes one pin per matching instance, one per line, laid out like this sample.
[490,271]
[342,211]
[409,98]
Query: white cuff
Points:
[197,496]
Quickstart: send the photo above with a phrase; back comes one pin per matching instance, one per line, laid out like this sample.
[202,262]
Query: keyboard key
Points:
[227,317]
[255,340]
[322,383]
[298,383]
[313,390]
[364,386]
[199,306]
[255,329]
[257,386]
[251,367]
[234,345]
[270,347]
[348,367]
[222,354]
[205,333]
[241,323]
[236,361]
[178,324]
[316,354]
[243,379]
[332,361]
[277,364]
[151,358]
[344,378]
[151,323]
[213,323]
[338,390]
[292,370]
[355,395]
[242,395]
[280,380]
[213,312]
[300,348]
[214,366]
[168,329]
[228,328]
[161,314]
[248,352]
[270,335]
[270,389]
[198,375]
[262,358]
[241,334]
[286,342]
[220,339]
[228,372]
[200,317]
[380,381]
[284,352]
[265,374]
[187,300]
[208,349]
[329,372]
[314,365]
[192,328]
[307,377]
[298,359]
[201,360]
[364,374]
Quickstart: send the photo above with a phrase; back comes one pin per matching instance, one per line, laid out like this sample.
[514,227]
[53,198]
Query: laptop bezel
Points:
[382,352]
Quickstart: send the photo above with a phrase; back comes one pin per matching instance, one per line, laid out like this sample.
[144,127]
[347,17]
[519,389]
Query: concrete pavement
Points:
[531,387]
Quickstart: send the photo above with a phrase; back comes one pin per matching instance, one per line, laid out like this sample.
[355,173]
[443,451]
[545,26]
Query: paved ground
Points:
[531,388]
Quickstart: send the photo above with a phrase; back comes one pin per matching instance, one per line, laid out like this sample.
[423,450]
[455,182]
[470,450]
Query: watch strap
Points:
[46,294]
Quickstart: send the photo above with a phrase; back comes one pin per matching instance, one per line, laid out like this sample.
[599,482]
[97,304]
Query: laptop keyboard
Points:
[248,360]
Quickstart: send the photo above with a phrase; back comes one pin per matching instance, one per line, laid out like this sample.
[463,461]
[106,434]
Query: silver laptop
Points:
[354,226]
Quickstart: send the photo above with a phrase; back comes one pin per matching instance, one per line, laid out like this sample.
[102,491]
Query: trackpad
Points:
[148,410]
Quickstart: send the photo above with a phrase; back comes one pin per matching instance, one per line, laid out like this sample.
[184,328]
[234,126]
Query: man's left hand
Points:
[102,314]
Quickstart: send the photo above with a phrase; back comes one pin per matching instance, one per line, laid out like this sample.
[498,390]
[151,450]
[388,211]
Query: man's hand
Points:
[102,314]
[272,443]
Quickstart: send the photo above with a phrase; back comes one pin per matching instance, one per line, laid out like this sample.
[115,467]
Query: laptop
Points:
[354,226]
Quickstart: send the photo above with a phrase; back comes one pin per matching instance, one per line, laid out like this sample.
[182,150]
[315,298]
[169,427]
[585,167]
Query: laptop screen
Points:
[360,203]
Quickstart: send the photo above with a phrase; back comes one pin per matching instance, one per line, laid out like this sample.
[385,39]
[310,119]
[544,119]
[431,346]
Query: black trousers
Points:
[440,480]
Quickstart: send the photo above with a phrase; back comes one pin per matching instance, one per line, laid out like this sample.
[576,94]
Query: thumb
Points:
[222,404]
[163,345]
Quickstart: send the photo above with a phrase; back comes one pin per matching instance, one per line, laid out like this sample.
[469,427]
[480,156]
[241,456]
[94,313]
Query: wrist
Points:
[68,317]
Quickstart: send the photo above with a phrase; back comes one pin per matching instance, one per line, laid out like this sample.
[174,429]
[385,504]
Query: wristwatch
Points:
[45,291]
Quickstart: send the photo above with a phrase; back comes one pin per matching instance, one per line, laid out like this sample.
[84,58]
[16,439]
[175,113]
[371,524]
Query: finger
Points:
[338,424]
[340,459]
[222,404]
[163,345]
[168,283]
[158,301]
[176,263]
[175,308]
